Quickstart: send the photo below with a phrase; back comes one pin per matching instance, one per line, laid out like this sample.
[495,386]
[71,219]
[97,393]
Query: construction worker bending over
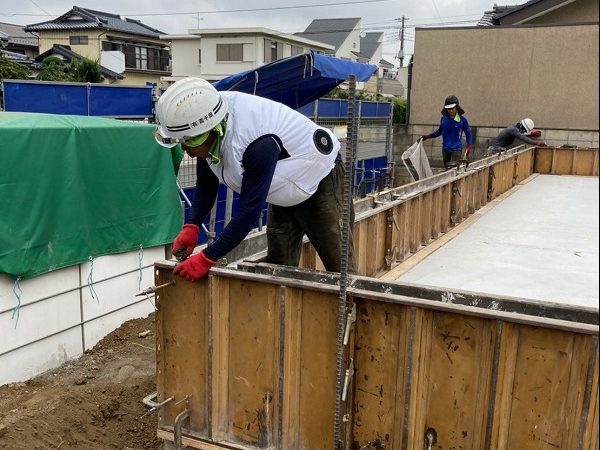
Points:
[265,151]
[453,124]
[521,131]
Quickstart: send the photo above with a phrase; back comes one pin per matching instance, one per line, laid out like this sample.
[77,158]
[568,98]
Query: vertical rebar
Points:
[342,304]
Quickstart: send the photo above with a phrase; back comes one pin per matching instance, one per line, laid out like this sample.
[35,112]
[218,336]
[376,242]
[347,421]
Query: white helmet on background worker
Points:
[190,107]
[527,125]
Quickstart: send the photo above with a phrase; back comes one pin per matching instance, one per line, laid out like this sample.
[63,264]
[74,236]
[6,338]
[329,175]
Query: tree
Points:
[85,71]
[360,94]
[11,70]
[399,110]
[53,69]
[80,70]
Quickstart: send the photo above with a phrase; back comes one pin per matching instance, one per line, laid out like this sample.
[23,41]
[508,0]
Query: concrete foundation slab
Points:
[540,243]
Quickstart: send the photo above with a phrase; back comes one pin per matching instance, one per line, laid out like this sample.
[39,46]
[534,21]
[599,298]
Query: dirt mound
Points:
[94,402]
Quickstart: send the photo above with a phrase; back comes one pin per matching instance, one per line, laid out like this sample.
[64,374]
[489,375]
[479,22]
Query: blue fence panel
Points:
[338,108]
[120,101]
[80,99]
[45,98]
[375,109]
[330,107]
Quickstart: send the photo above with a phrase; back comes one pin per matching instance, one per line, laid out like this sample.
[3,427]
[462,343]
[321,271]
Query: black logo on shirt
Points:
[323,141]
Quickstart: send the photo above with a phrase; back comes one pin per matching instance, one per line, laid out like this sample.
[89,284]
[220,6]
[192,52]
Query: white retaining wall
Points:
[59,318]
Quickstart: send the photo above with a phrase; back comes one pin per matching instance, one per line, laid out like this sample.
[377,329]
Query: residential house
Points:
[343,34]
[122,45]
[16,40]
[217,53]
[353,44]
[371,51]
[538,12]
[65,53]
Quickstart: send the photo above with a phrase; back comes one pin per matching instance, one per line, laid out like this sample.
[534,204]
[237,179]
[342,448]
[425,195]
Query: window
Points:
[273,50]
[199,56]
[113,46]
[78,40]
[139,57]
[230,52]
[296,50]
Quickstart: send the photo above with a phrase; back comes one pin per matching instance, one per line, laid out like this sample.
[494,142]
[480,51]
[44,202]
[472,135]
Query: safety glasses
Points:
[190,141]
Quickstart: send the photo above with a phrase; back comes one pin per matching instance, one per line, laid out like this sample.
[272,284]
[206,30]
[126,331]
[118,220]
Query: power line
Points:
[274,8]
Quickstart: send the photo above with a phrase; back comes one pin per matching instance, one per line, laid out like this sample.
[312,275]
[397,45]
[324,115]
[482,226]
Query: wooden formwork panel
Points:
[182,348]
[566,161]
[500,178]
[315,365]
[542,379]
[452,360]
[590,436]
[246,381]
[382,345]
[254,362]
[523,166]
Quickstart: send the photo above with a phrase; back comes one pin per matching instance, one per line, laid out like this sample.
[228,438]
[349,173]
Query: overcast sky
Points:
[289,16]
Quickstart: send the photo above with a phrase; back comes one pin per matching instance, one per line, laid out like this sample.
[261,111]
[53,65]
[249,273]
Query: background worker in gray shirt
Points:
[507,136]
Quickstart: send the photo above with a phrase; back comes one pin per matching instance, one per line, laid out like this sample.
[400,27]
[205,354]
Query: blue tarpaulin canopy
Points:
[297,80]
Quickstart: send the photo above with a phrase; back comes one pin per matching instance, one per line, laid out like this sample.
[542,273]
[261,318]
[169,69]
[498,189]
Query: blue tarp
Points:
[297,80]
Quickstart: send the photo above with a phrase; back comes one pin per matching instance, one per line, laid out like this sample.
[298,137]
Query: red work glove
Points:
[468,149]
[535,133]
[185,242]
[194,267]
[540,143]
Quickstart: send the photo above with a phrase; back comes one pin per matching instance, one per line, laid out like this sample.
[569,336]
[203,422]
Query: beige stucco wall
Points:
[548,73]
[90,51]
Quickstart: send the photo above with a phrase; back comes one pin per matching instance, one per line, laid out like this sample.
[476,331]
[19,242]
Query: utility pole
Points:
[401,53]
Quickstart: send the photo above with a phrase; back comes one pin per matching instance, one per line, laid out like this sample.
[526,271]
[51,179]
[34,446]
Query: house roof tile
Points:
[82,18]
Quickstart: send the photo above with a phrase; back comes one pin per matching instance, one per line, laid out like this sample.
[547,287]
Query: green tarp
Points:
[72,187]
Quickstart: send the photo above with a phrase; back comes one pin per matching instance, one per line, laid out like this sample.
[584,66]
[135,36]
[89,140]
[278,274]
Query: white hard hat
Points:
[188,108]
[527,125]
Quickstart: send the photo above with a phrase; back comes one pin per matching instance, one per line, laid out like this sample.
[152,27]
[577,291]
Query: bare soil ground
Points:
[94,402]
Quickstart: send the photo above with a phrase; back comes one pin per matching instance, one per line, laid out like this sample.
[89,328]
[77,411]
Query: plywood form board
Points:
[547,378]
[567,161]
[381,344]
[399,234]
[452,383]
[376,230]
[501,178]
[316,367]
[292,348]
[523,166]
[456,213]
[427,200]
[446,207]
[475,380]
[182,350]
[589,436]
[252,366]
[361,246]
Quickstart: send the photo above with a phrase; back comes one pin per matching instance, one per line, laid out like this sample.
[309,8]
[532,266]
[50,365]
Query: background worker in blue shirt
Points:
[452,126]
